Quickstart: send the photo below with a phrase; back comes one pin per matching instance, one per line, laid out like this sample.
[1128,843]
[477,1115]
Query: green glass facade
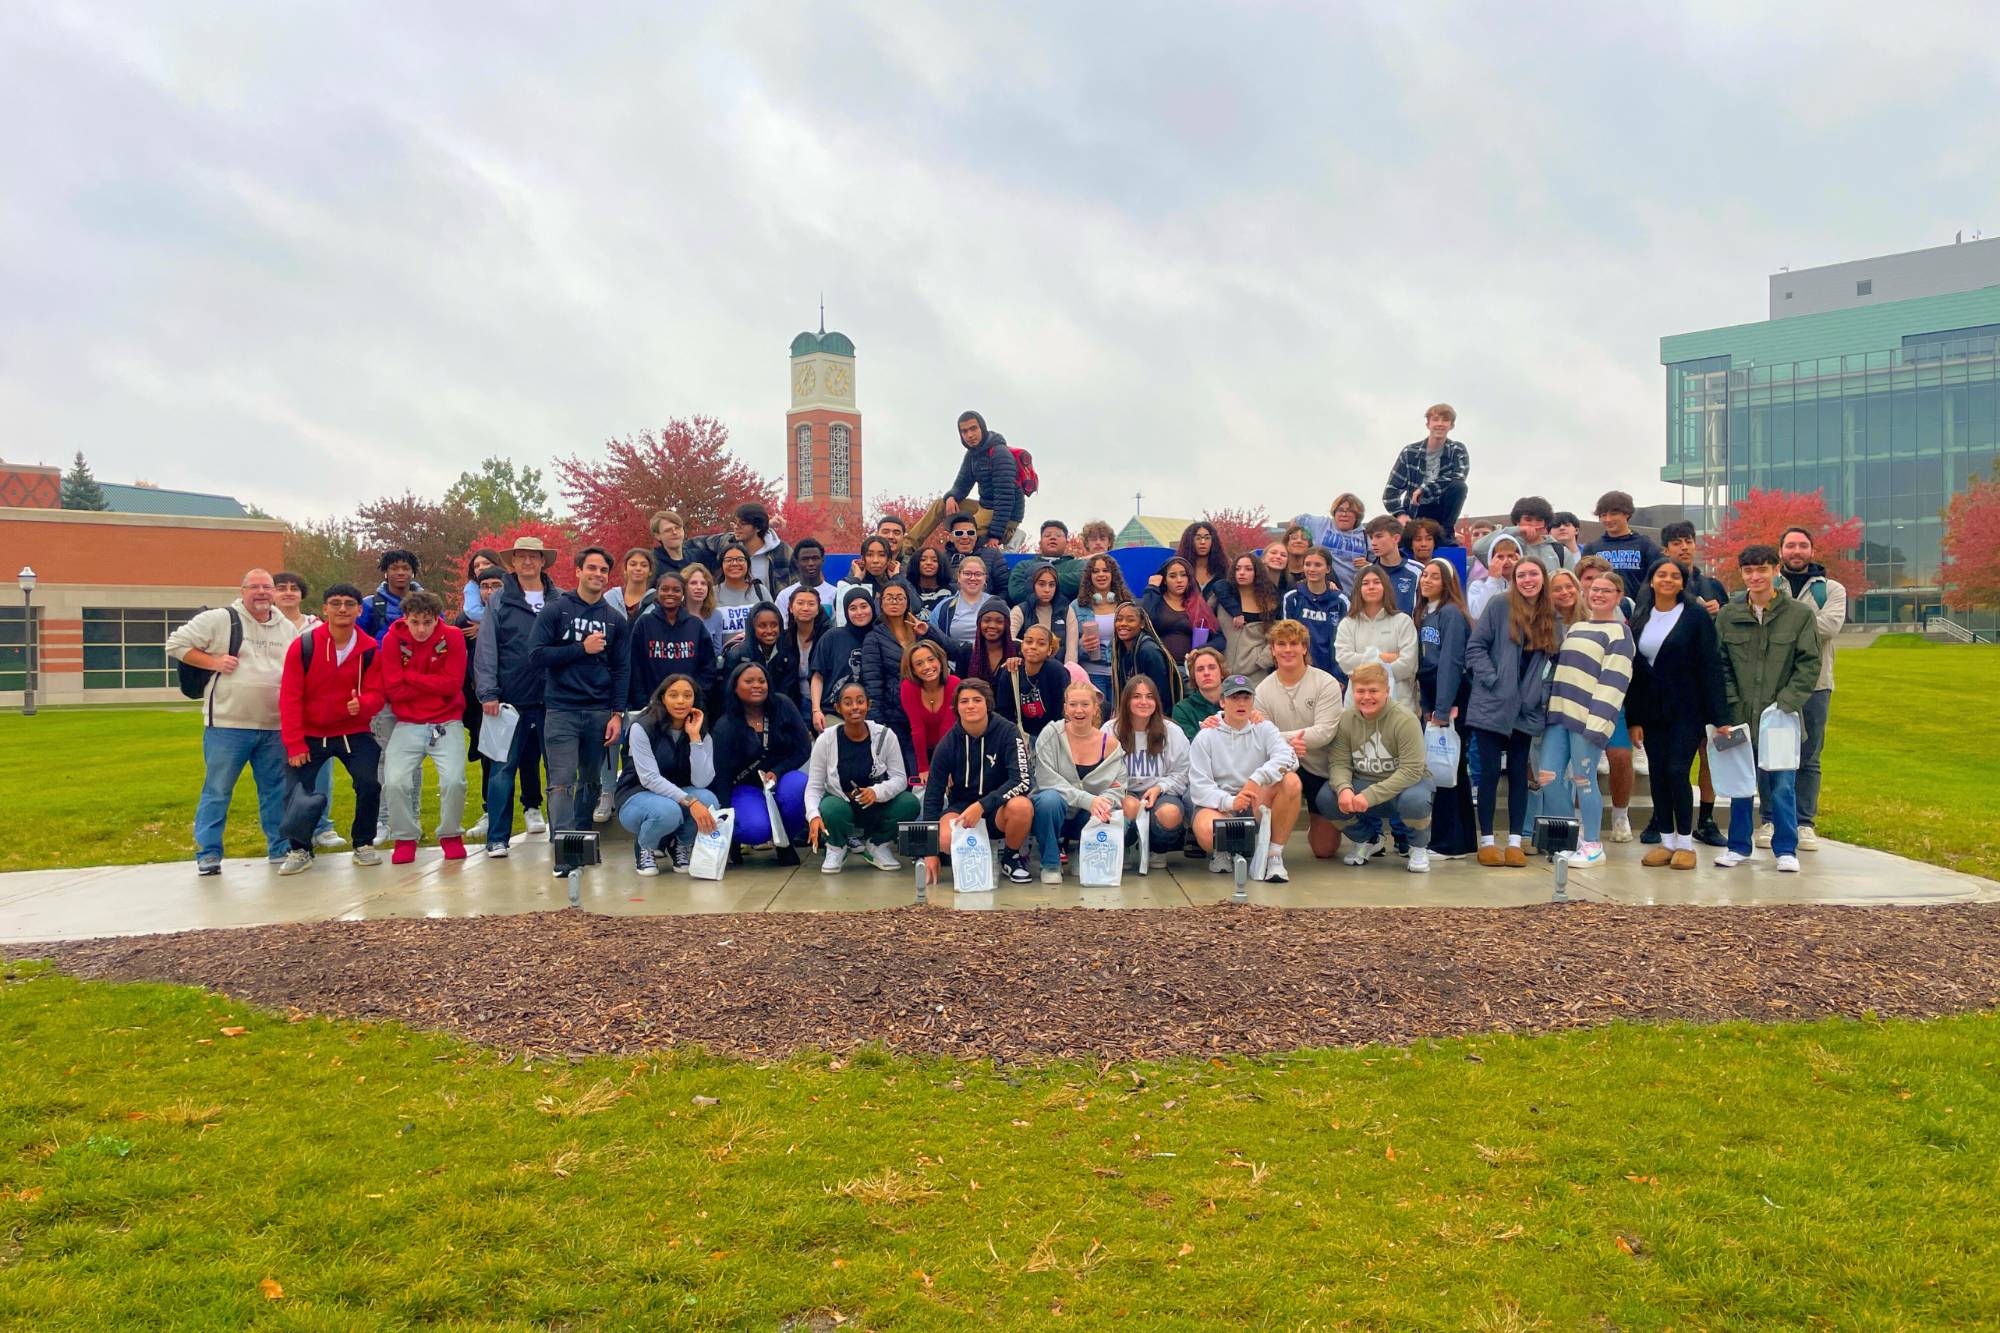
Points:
[1887,433]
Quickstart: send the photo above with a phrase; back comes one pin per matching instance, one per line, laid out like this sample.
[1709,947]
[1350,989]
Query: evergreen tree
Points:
[80,489]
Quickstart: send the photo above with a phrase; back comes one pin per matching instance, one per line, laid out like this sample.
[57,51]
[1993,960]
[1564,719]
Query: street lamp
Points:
[27,581]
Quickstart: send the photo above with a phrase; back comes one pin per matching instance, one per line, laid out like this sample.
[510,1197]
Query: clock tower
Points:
[823,429]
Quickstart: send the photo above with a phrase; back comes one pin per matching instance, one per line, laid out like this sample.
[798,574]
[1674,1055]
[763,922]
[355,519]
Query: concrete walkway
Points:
[137,900]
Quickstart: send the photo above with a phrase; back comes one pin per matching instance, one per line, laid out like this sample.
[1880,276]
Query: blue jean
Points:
[1813,718]
[526,748]
[753,821]
[1054,821]
[325,788]
[652,818]
[1781,801]
[1573,761]
[573,740]
[1408,812]
[224,752]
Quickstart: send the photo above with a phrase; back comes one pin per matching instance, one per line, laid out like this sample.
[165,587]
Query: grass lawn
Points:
[1907,769]
[158,1170]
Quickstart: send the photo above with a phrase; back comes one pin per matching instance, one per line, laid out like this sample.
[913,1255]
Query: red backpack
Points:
[1024,472]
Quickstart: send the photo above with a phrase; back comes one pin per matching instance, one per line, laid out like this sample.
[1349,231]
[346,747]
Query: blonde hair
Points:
[1096,700]
[1445,410]
[1369,673]
[1287,631]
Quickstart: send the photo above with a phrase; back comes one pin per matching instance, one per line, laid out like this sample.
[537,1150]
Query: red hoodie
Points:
[313,694]
[424,682]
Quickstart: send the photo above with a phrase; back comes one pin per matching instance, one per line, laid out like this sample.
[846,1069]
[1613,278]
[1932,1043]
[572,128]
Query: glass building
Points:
[1888,408]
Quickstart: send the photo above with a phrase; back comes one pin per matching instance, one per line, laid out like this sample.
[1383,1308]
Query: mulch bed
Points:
[1077,983]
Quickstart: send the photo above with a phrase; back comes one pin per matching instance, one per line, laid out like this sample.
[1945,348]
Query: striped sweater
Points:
[1593,671]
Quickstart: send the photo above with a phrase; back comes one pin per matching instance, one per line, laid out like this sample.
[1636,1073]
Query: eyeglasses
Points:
[341,604]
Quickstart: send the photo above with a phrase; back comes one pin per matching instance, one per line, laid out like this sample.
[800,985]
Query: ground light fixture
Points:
[574,849]
[27,584]
[1556,839]
[1237,838]
[918,839]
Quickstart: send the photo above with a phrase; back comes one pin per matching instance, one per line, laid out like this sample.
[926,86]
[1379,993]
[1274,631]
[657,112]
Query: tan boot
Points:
[1489,855]
[1656,858]
[1516,857]
[1683,860]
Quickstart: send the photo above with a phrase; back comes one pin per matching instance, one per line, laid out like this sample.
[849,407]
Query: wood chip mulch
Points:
[1076,983]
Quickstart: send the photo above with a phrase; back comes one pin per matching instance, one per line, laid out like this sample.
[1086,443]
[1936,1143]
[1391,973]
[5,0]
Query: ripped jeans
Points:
[1572,759]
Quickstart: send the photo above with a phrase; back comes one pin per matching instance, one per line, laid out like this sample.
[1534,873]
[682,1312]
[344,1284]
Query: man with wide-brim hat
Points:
[504,672]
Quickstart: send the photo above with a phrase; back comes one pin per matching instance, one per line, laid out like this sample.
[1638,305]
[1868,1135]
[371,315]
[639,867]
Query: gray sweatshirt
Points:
[1224,760]
[1056,771]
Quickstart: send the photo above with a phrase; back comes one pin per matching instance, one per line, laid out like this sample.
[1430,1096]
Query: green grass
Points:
[1910,764]
[156,1171]
[1908,768]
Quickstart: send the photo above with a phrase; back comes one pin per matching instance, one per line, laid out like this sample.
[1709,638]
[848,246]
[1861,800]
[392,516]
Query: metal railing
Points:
[1951,629]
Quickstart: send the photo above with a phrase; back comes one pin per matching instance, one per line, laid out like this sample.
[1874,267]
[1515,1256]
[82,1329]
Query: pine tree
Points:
[80,489]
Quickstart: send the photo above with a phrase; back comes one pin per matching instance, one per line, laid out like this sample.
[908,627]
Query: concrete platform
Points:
[145,899]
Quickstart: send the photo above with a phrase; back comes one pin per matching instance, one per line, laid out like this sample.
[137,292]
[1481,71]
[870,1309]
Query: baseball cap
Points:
[1237,685]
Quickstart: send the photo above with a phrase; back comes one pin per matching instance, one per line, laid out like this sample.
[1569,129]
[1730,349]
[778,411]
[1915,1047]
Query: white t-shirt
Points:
[1657,629]
[342,651]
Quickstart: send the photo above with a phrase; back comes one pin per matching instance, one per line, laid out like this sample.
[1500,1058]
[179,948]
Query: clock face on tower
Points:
[802,381]
[837,381]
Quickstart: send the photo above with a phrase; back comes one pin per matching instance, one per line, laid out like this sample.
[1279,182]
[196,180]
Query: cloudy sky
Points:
[308,254]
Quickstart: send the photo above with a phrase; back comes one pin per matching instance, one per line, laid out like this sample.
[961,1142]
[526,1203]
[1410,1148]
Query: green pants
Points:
[875,823]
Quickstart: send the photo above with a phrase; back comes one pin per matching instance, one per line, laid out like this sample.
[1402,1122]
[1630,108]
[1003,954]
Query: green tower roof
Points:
[839,344]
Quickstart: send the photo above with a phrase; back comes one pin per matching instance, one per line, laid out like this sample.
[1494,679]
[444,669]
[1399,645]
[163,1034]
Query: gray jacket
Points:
[1508,693]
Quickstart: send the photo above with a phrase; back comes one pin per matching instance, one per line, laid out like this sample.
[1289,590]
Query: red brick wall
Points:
[26,487]
[192,554]
[822,420]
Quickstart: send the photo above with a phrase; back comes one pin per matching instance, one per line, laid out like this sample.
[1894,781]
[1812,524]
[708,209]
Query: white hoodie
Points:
[248,696]
[1224,760]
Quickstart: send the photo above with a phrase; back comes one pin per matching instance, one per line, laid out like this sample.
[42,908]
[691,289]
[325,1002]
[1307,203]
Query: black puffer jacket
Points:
[989,466]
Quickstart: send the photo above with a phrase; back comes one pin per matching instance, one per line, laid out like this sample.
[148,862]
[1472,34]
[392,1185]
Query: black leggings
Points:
[1670,751]
[1491,745]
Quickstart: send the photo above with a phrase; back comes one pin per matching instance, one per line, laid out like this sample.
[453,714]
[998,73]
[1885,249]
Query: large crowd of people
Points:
[1321,676]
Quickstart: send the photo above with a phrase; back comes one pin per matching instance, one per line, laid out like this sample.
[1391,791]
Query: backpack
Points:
[304,645]
[194,680]
[1024,472]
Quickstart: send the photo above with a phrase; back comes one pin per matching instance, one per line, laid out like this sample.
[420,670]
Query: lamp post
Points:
[27,581]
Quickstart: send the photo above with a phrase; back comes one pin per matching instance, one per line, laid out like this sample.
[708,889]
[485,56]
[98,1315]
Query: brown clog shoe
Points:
[1684,860]
[1656,858]
[1516,857]
[1489,855]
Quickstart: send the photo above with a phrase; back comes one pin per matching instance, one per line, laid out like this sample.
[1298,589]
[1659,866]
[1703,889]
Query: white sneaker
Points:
[382,832]
[1728,859]
[496,851]
[1587,854]
[1621,826]
[535,822]
[1788,865]
[836,857]
[1764,832]
[1808,838]
[1357,853]
[327,840]
[1218,863]
[1274,868]
[367,856]
[1420,861]
[1639,764]
[606,807]
[1603,764]
[1051,874]
[881,857]
[477,832]
[296,860]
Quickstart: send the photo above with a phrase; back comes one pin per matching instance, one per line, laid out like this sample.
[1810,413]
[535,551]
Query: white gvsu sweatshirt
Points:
[1224,760]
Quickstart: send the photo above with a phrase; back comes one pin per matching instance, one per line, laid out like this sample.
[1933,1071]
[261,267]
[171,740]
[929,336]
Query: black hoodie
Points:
[742,751]
[837,656]
[780,667]
[989,466]
[579,680]
[988,768]
[661,649]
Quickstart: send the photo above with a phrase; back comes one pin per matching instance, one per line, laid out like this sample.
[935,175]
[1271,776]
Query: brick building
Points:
[823,429]
[110,586]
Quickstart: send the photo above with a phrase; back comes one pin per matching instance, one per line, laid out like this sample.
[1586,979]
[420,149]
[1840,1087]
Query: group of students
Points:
[732,672]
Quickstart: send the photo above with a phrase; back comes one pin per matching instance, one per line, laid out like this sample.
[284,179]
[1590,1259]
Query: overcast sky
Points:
[309,254]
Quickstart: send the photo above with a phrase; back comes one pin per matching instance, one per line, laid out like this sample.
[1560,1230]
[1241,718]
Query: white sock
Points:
[1486,840]
[1671,841]
[1620,812]
[1513,840]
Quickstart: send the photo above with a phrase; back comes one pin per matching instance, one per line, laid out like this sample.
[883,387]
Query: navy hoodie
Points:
[659,650]
[580,681]
[1403,583]
[1321,614]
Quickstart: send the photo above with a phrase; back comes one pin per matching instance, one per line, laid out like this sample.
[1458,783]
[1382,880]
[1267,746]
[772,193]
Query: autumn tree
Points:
[686,466]
[324,552]
[838,527]
[435,532]
[499,494]
[1970,571]
[1239,529]
[1763,516]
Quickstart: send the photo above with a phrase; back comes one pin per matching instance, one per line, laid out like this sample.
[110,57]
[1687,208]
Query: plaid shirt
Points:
[1408,474]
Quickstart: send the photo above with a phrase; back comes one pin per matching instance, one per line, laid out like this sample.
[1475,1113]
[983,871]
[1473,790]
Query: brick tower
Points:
[823,429]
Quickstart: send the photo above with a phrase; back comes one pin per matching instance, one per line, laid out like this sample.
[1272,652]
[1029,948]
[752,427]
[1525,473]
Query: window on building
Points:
[125,648]
[1865,287]
[804,469]
[837,461]
[14,654]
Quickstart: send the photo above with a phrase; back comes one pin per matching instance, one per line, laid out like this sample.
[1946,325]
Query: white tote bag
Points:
[1778,740]
[971,859]
[496,733]
[779,836]
[711,850]
[1100,852]
[1145,840]
[1441,755]
[1263,844]
[1733,770]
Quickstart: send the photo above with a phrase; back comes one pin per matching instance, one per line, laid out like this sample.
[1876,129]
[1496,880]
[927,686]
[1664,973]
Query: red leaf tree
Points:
[1763,516]
[1971,547]
[687,466]
[1240,529]
[909,508]
[561,567]
[838,527]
